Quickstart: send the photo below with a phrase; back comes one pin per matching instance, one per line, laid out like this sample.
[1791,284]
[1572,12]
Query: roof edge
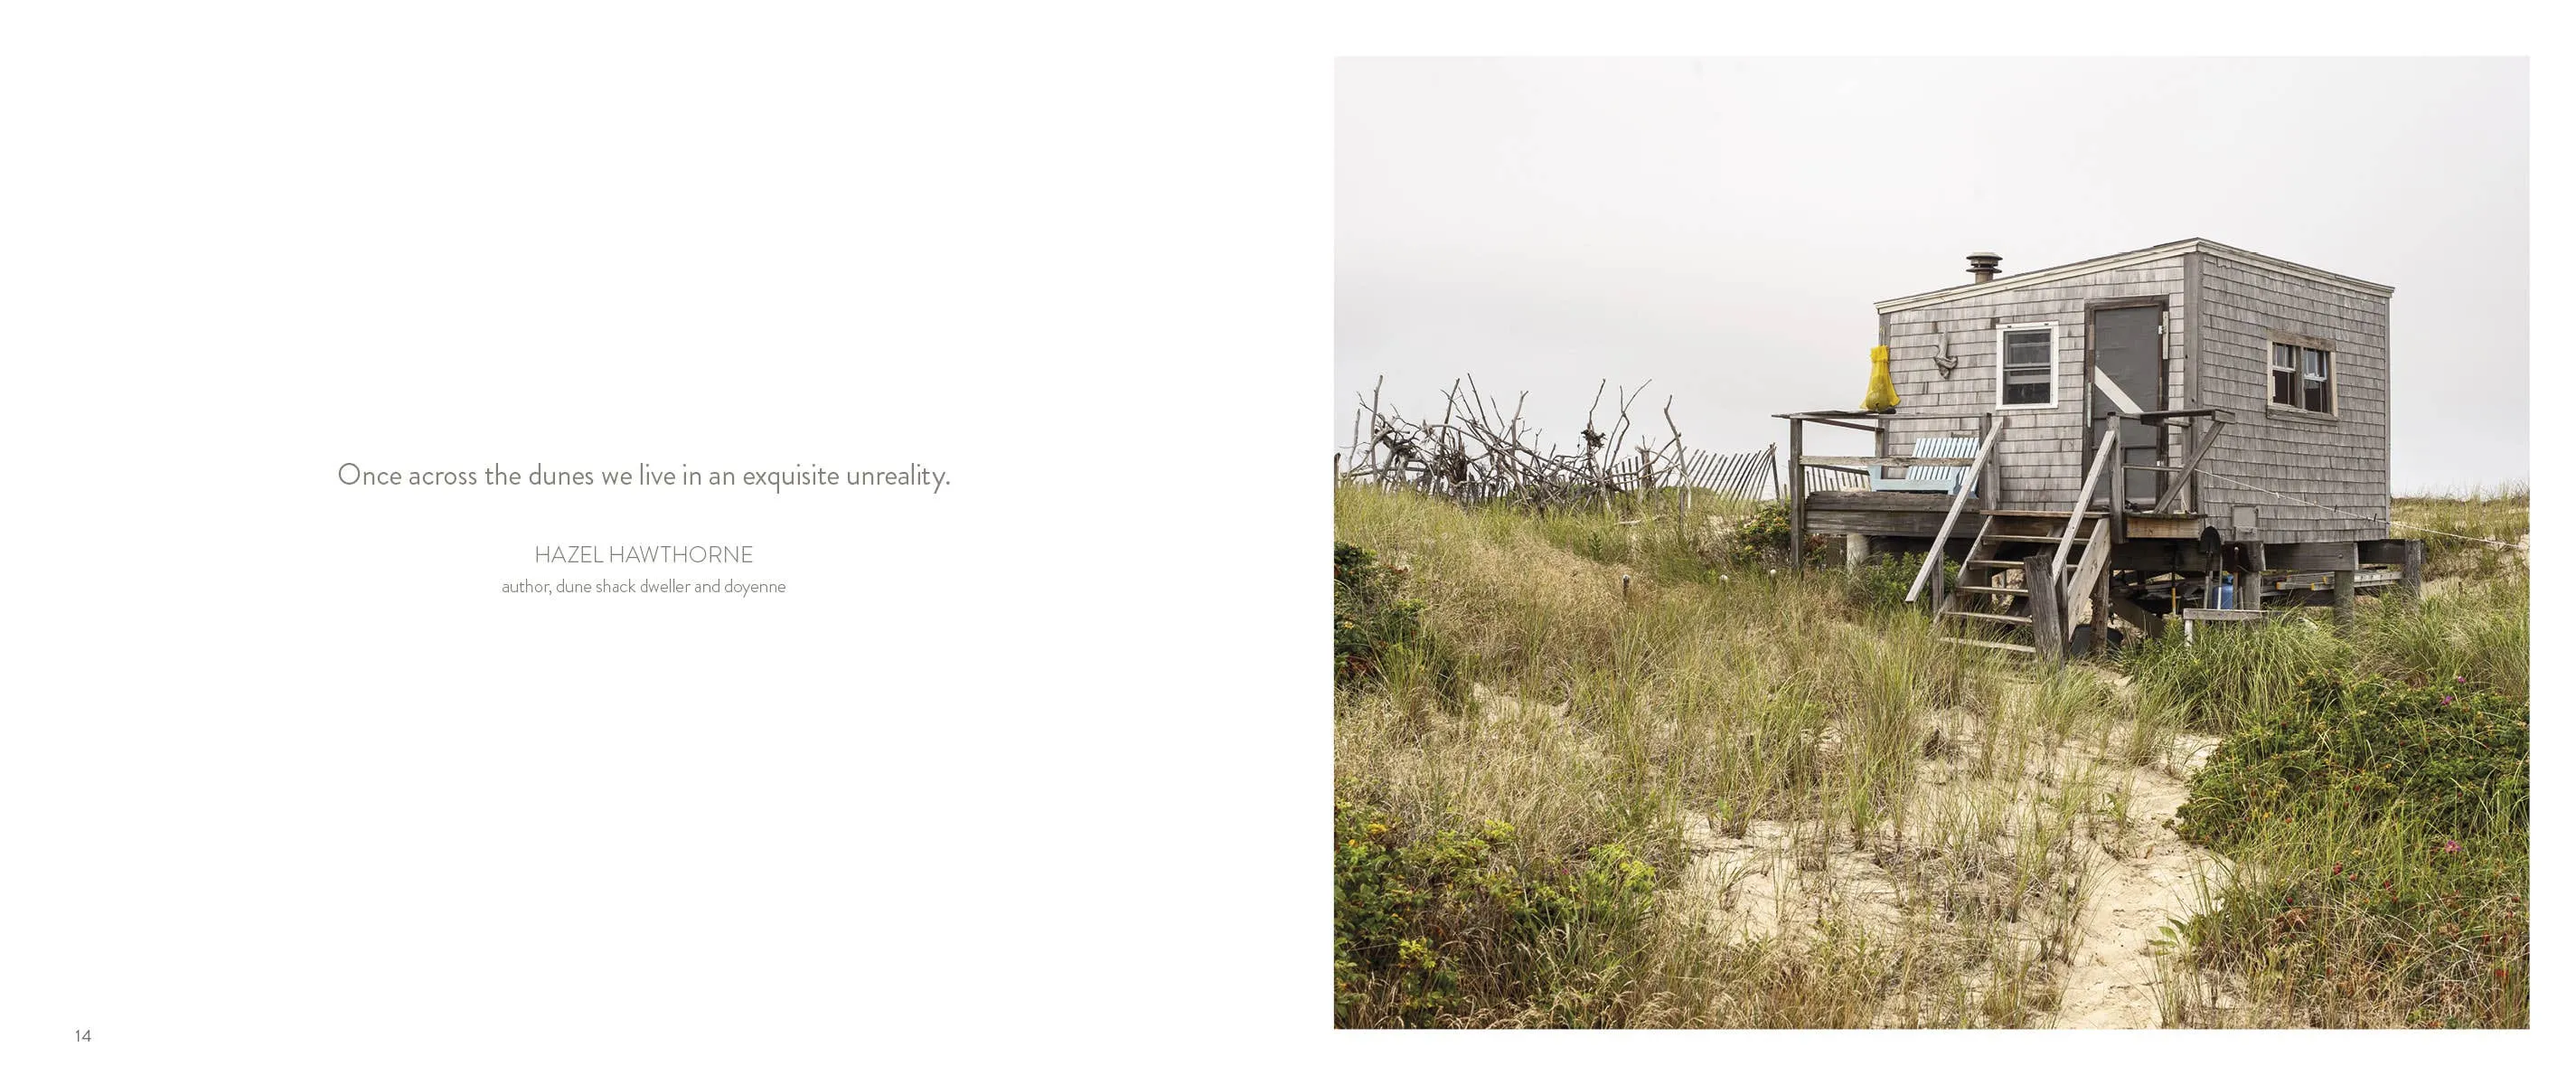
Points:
[2128,259]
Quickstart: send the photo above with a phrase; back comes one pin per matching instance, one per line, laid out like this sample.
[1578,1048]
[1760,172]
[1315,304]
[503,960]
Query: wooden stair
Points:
[1960,607]
[2043,601]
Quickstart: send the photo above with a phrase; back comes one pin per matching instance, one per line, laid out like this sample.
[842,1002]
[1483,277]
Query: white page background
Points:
[294,792]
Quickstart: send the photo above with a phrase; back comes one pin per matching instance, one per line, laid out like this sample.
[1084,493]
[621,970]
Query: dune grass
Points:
[1662,728]
[2452,523]
[1636,695]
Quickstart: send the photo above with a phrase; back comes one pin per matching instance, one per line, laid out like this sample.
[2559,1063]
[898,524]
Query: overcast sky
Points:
[1721,227]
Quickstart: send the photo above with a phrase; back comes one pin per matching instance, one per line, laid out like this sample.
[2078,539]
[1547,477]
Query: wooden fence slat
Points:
[1748,476]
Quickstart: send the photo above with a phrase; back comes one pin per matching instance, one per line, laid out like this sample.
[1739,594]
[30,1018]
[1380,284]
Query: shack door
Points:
[2128,363]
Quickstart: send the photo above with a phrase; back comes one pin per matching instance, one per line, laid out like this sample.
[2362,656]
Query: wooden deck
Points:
[1918,516]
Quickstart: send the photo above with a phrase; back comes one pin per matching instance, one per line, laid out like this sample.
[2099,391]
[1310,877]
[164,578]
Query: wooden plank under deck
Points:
[1863,512]
[1918,515]
[2165,525]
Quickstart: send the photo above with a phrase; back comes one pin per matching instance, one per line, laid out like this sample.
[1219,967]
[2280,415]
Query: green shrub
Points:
[1429,923]
[1762,538]
[1881,582]
[1378,634]
[1758,537]
[2444,755]
[2381,838]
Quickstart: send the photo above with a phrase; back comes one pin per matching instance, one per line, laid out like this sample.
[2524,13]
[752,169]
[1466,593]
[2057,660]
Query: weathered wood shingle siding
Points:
[2340,462]
[2328,476]
[2045,451]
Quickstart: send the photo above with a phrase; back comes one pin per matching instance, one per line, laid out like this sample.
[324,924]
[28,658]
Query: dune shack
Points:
[2185,431]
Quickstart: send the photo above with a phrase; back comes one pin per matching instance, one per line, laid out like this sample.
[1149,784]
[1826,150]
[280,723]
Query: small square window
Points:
[2303,377]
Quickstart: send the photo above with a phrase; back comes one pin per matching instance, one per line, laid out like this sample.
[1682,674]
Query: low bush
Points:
[1882,581]
[2442,754]
[1378,633]
[1429,924]
[2380,832]
[1761,539]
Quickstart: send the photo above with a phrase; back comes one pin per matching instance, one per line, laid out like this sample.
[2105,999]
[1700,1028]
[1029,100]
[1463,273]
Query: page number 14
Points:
[81,1035]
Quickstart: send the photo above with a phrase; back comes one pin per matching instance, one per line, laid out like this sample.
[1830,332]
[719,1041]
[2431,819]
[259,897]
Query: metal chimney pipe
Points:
[1982,266]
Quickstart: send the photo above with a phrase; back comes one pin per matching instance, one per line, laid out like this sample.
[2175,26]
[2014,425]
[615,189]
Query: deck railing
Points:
[1800,462]
[2198,440]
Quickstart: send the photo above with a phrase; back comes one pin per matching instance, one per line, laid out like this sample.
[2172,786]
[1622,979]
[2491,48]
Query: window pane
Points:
[2028,370]
[2026,350]
[2316,362]
[2284,388]
[2284,356]
[2317,396]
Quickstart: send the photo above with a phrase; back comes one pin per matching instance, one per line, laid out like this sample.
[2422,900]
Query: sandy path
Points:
[2143,880]
[2138,879]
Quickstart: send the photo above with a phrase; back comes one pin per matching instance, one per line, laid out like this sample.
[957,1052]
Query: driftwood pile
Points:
[1475,452]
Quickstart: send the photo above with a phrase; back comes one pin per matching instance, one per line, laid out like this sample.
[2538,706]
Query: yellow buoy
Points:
[1882,388]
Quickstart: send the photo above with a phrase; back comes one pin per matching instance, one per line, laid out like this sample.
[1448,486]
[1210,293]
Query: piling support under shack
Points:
[2047,611]
[2249,579]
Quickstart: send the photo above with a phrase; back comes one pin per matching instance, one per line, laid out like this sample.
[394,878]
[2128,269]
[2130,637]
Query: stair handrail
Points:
[1940,607]
[2110,450]
[2096,562]
[1967,482]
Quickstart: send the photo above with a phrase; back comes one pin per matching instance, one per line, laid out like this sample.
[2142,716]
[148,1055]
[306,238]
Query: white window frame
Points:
[2299,377]
[2003,334]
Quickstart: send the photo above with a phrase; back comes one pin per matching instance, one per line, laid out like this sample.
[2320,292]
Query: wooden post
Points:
[2189,478]
[1855,552]
[1373,417]
[2119,486]
[2410,572]
[2345,610]
[1990,486]
[2047,612]
[2249,583]
[2102,611]
[1797,496]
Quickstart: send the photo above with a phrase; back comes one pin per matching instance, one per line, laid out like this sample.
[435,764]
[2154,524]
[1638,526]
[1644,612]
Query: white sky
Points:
[1722,226]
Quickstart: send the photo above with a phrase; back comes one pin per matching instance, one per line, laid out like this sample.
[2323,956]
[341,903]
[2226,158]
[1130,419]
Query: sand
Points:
[1774,882]
[2113,982]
